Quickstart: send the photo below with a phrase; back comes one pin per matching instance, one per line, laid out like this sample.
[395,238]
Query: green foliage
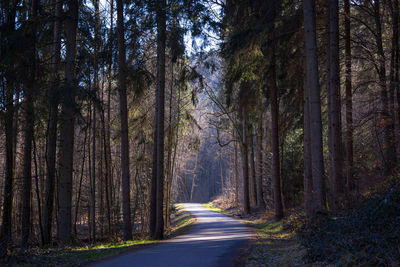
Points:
[368,235]
[292,167]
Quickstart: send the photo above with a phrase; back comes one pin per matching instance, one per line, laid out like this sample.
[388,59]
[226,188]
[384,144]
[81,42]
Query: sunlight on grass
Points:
[211,207]
[82,255]
[114,245]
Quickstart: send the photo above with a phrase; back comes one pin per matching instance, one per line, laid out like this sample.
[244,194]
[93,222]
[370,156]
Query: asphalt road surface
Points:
[214,240]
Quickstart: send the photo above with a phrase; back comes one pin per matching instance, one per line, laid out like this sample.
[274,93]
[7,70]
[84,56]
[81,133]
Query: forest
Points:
[284,114]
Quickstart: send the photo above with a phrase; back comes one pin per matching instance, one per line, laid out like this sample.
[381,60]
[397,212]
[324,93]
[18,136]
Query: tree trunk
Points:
[245,162]
[349,100]
[259,163]
[308,179]
[52,127]
[158,164]
[29,92]
[313,91]
[276,168]
[387,119]
[252,174]
[5,234]
[334,110]
[126,209]
[236,167]
[67,126]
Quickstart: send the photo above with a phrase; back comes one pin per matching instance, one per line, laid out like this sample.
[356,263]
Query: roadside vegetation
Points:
[181,220]
[367,235]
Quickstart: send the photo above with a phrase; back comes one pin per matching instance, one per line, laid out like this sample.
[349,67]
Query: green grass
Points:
[274,245]
[81,255]
[211,207]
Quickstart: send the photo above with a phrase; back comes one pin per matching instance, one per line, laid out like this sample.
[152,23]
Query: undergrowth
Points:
[368,235]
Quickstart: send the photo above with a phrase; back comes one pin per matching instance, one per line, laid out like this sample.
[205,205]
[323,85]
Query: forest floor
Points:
[81,255]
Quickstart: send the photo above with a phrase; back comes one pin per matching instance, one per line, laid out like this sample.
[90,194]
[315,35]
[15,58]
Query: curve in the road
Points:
[214,240]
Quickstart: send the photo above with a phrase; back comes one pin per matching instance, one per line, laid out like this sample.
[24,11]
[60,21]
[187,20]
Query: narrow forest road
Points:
[214,240]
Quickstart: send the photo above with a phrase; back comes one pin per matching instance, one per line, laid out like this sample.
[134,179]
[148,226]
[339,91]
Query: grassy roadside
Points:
[181,221]
[273,244]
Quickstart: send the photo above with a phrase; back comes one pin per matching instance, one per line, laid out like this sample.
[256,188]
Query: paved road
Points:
[213,241]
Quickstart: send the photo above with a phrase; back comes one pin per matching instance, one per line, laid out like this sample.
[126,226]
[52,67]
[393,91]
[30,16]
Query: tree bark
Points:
[29,92]
[52,126]
[334,109]
[245,161]
[5,234]
[126,209]
[252,174]
[313,91]
[259,162]
[308,179]
[67,127]
[276,168]
[158,165]
[387,119]
[349,100]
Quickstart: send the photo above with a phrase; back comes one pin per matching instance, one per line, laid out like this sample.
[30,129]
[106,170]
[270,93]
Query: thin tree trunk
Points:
[252,173]
[389,147]
[39,205]
[29,92]
[78,198]
[52,127]
[245,162]
[67,127]
[236,171]
[313,91]
[259,163]
[126,209]
[308,179]
[5,234]
[169,147]
[351,185]
[335,150]
[276,168]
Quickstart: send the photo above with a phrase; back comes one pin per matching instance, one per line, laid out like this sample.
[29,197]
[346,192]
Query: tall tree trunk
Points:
[245,161]
[252,181]
[67,126]
[5,234]
[387,119]
[259,162]
[349,100]
[126,209]
[29,92]
[395,62]
[334,109]
[108,131]
[78,197]
[158,163]
[52,126]
[313,91]
[308,179]
[276,168]
[236,170]
[169,148]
